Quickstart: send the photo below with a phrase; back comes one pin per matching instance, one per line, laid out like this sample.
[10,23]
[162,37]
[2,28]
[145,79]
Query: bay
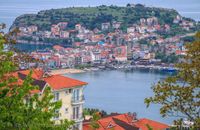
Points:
[112,91]
[122,92]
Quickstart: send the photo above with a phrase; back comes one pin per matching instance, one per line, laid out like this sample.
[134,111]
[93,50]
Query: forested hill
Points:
[92,17]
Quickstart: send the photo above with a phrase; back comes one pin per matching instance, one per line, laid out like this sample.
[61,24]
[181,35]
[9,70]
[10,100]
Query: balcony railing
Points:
[77,117]
[78,99]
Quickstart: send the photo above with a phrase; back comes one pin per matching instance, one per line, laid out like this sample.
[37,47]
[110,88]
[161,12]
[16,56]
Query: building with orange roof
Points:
[114,121]
[144,122]
[55,30]
[65,89]
[58,47]
[78,26]
[120,53]
[127,121]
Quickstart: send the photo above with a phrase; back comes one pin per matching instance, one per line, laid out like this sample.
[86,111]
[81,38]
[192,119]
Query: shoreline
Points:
[124,68]
[65,71]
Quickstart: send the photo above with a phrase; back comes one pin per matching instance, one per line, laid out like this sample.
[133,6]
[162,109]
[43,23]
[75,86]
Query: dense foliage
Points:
[179,95]
[91,111]
[49,41]
[19,108]
[172,58]
[92,17]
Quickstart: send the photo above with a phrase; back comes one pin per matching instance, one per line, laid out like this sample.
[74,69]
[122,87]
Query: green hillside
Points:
[92,17]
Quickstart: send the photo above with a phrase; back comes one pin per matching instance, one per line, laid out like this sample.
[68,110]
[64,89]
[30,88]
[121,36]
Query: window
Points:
[76,127]
[56,114]
[110,126]
[76,114]
[66,110]
[76,95]
[27,101]
[66,92]
[70,90]
[56,96]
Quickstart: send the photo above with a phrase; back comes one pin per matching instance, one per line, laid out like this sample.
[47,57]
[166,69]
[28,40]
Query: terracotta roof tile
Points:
[142,124]
[59,82]
[37,73]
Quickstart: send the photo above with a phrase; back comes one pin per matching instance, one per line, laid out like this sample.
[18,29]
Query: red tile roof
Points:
[58,47]
[59,82]
[125,122]
[55,81]
[21,75]
[117,122]
[36,73]
[142,124]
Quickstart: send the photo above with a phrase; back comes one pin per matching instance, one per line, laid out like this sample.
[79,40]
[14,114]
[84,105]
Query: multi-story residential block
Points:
[177,19]
[64,34]
[105,26]
[55,30]
[120,53]
[47,34]
[96,56]
[22,29]
[78,26]
[116,25]
[32,29]
[131,30]
[152,21]
[65,89]
[62,25]
[142,21]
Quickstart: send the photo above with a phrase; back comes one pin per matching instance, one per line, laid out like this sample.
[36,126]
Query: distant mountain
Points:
[92,17]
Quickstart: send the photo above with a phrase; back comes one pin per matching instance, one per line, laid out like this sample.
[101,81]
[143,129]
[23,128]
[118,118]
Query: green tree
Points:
[179,95]
[20,109]
[94,121]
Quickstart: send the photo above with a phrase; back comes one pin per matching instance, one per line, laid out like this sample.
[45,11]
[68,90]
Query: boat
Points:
[169,69]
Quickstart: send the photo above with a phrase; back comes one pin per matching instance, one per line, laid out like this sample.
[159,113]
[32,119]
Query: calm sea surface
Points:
[112,91]
[118,91]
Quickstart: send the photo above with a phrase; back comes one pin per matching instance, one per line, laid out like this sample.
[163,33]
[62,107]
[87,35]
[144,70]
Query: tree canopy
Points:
[179,95]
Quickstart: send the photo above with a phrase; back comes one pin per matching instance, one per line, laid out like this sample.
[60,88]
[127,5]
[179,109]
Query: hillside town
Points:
[141,43]
[106,67]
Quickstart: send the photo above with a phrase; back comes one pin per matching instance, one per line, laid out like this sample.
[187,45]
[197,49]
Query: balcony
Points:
[77,117]
[78,100]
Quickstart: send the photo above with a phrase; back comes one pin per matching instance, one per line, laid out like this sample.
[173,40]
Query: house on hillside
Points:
[65,89]
[105,26]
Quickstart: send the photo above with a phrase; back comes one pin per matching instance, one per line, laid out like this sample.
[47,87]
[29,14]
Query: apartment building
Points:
[65,89]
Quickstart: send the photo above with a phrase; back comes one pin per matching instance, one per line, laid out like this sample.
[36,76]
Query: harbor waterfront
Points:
[100,65]
[122,91]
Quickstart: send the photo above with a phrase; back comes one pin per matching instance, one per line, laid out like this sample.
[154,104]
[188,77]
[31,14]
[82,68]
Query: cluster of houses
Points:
[96,46]
[187,25]
[143,29]
[105,53]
